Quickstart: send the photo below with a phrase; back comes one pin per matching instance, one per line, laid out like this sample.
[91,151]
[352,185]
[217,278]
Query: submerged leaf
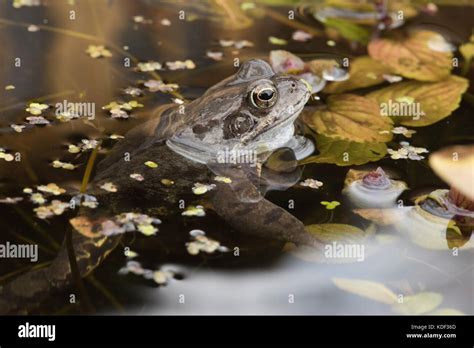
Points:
[447,311]
[368,289]
[347,29]
[343,244]
[387,216]
[346,153]
[420,303]
[329,233]
[350,117]
[431,101]
[412,57]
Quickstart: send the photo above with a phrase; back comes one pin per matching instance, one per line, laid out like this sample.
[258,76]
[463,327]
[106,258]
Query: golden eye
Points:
[264,96]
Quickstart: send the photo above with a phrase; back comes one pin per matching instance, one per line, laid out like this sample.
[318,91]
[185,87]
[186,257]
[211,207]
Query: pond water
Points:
[265,278]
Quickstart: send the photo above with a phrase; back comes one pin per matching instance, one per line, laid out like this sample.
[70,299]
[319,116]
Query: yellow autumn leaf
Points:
[435,100]
[413,57]
[420,303]
[345,153]
[368,289]
[350,117]
[447,311]
[364,72]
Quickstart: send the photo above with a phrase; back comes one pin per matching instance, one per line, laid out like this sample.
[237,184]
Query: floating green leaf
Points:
[420,303]
[350,117]
[277,41]
[412,57]
[364,72]
[368,289]
[346,153]
[435,100]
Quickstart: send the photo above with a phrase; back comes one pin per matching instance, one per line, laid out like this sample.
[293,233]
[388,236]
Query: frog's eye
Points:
[264,96]
[237,125]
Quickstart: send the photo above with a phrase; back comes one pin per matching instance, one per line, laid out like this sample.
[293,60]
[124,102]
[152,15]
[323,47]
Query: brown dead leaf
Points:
[412,56]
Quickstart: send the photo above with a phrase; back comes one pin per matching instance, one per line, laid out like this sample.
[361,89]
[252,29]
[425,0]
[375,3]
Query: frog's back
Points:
[162,123]
[125,165]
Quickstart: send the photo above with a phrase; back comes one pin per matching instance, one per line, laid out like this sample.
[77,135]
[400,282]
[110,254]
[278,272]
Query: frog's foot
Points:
[302,147]
[263,219]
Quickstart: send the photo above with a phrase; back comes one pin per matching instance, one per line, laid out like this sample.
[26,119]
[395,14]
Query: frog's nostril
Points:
[293,85]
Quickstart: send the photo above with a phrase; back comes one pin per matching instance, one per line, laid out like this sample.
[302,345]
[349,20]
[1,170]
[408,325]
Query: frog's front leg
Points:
[261,218]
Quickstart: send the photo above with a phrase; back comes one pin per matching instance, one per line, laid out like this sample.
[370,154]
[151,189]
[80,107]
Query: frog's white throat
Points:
[251,153]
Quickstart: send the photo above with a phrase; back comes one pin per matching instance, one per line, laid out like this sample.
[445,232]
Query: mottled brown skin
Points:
[146,142]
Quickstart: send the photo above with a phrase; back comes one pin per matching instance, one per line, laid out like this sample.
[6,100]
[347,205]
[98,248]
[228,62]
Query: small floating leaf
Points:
[137,177]
[98,51]
[36,108]
[199,189]
[301,36]
[178,65]
[51,188]
[160,86]
[147,229]
[63,165]
[194,211]
[149,66]
[167,182]
[277,41]
[151,164]
[330,205]
[109,187]
[312,183]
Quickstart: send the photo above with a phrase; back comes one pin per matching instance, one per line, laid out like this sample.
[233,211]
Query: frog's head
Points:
[251,111]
